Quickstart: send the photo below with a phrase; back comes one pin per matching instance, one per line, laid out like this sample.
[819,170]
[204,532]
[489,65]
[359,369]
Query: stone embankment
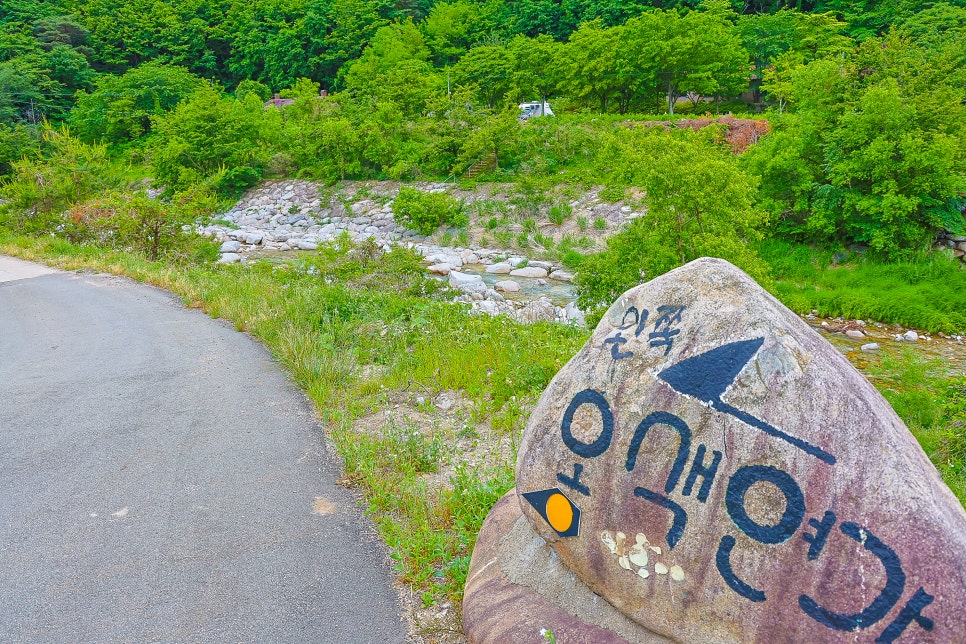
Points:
[955,243]
[291,215]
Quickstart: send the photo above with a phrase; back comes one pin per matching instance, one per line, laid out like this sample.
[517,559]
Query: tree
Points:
[489,70]
[537,73]
[120,108]
[452,28]
[588,62]
[394,67]
[874,151]
[699,203]
[209,138]
[126,33]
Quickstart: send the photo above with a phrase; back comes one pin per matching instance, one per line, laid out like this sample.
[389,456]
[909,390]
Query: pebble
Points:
[872,346]
[910,336]
[855,334]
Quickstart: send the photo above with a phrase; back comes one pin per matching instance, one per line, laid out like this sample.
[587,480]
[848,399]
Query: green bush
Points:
[134,221]
[39,189]
[120,107]
[424,212]
[210,138]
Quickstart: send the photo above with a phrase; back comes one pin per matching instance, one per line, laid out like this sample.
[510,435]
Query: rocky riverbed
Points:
[293,216]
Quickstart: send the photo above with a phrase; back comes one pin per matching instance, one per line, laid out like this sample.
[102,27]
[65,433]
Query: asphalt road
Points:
[161,480]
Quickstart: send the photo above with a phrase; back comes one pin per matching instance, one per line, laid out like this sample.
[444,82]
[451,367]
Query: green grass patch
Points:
[928,292]
[931,399]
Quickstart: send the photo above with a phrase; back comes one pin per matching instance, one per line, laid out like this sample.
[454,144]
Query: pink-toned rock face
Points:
[718,472]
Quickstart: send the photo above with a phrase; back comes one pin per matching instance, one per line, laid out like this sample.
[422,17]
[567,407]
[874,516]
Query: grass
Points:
[927,292]
[931,399]
[361,330]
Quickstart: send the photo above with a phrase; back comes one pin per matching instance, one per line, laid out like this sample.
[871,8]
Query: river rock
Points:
[715,470]
[910,336]
[229,258]
[528,271]
[855,334]
[507,286]
[562,276]
[467,283]
[500,268]
[537,311]
[231,246]
[574,315]
[439,269]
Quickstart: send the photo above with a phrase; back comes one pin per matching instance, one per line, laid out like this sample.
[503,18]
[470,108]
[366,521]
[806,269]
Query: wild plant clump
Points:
[424,212]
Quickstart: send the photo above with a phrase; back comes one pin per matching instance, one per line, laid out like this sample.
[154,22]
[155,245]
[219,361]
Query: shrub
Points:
[210,138]
[39,189]
[424,212]
[135,221]
[559,213]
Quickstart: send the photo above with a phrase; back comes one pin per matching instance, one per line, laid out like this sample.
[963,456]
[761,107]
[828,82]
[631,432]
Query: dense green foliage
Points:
[356,332]
[427,211]
[703,209]
[866,101]
[100,98]
[925,292]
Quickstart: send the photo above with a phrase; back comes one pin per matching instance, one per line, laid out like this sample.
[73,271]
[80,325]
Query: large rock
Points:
[498,608]
[529,271]
[499,268]
[718,472]
[467,283]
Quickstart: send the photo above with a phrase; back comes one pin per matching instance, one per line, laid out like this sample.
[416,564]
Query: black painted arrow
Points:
[708,375]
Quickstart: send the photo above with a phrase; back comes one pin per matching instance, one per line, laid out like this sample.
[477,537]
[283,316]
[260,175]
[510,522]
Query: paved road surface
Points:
[159,478]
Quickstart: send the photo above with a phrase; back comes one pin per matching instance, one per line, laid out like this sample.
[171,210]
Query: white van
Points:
[533,109]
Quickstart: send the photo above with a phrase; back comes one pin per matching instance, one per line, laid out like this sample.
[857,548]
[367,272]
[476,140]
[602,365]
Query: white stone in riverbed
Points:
[307,245]
[574,315]
[529,271]
[910,336]
[500,268]
[467,283]
[562,276]
[440,269]
[229,258]
[855,334]
[231,246]
[507,286]
[872,346]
